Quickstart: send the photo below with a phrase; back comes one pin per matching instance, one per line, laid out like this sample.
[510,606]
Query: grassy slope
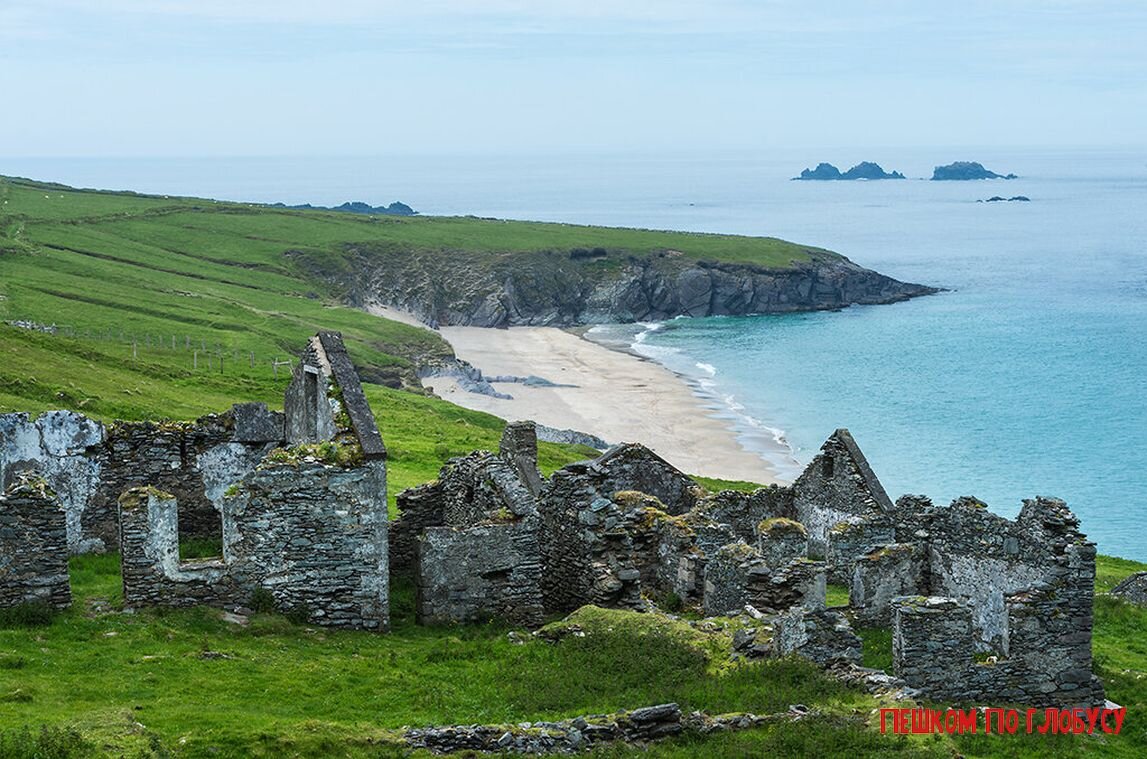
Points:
[153,291]
[215,275]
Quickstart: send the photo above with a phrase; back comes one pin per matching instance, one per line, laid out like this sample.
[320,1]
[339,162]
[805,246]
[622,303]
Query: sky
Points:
[353,77]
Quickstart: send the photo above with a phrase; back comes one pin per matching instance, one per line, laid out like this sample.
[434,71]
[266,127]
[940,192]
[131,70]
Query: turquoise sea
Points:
[1027,377]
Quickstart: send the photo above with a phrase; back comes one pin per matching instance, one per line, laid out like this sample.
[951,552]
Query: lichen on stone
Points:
[781,525]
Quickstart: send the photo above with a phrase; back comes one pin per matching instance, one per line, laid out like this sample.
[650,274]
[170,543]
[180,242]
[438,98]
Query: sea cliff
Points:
[559,289]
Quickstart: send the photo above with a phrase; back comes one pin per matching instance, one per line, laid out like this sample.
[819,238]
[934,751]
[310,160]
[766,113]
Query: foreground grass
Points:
[189,684]
[195,685]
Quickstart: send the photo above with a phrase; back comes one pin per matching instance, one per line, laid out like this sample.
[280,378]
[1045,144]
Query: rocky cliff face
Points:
[558,289]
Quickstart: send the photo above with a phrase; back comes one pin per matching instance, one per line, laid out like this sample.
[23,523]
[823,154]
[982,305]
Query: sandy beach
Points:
[614,395]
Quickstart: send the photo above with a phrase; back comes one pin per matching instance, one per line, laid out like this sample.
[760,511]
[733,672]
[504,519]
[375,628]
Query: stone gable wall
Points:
[837,487]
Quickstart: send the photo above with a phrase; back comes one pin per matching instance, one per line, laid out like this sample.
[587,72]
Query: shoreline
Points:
[608,391]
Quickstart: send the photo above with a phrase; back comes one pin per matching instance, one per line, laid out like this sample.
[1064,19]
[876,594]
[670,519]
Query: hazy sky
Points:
[291,77]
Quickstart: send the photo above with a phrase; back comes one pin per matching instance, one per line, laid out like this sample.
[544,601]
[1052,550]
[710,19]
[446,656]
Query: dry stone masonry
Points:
[837,488]
[1133,589]
[312,536]
[89,465]
[626,529]
[65,449]
[33,545]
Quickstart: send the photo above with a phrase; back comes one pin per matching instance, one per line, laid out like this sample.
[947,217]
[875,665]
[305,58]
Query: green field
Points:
[175,307]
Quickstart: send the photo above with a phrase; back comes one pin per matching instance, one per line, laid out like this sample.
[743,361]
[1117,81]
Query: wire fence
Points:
[196,353]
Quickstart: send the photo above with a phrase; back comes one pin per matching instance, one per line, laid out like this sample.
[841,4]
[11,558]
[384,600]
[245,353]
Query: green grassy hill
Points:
[175,307]
[169,307]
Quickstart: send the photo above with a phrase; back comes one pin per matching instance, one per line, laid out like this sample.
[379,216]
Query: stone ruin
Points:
[980,607]
[89,465]
[1133,589]
[303,527]
[33,545]
[627,529]
[311,536]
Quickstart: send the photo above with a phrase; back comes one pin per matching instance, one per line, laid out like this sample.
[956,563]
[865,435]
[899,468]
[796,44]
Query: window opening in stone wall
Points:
[200,530]
[310,403]
[826,465]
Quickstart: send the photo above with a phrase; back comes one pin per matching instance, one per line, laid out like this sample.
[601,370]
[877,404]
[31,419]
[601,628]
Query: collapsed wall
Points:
[311,536]
[604,520]
[64,448]
[89,465]
[486,571]
[470,538]
[983,607]
[194,461]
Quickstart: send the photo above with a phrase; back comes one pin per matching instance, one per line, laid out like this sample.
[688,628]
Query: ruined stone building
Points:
[305,526]
[627,529]
[981,608]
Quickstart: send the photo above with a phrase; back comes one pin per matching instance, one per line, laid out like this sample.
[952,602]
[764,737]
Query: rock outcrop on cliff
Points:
[559,289]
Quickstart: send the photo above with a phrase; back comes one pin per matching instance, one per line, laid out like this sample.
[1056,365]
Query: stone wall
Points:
[781,541]
[471,537]
[324,400]
[481,486]
[738,574]
[632,466]
[799,583]
[33,545]
[1133,589]
[606,528]
[744,512]
[979,557]
[609,551]
[153,574]
[727,577]
[313,536]
[838,486]
[896,569]
[478,573]
[569,497]
[933,650]
[64,448]
[822,636]
[418,508]
[519,447]
[89,466]
[849,541]
[194,461]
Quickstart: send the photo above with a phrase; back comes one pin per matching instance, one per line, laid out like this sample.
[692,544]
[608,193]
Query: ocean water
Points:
[1025,378]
